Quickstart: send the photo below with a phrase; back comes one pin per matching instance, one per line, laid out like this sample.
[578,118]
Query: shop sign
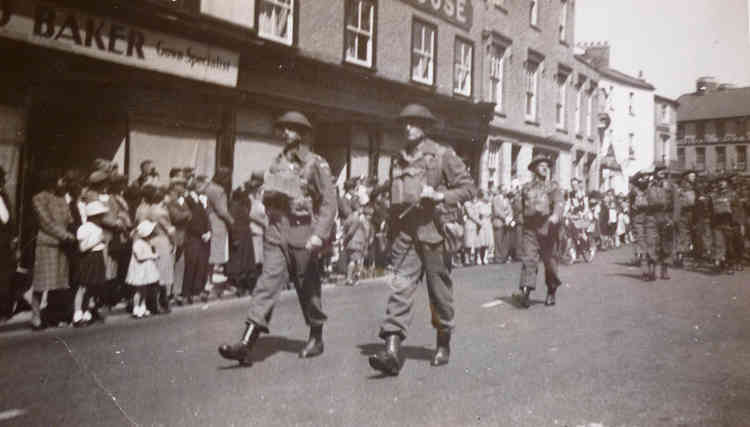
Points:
[74,31]
[456,12]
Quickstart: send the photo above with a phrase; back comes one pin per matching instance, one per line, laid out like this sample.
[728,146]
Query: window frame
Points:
[700,165]
[578,115]
[466,42]
[563,27]
[720,129]
[590,113]
[348,4]
[721,151]
[700,131]
[741,164]
[681,158]
[292,39]
[434,27]
[631,107]
[532,96]
[562,79]
[534,13]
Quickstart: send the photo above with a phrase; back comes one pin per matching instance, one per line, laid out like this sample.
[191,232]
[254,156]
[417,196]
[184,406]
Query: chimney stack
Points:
[596,53]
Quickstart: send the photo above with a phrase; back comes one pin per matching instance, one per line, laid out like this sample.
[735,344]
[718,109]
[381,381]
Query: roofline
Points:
[665,99]
[610,73]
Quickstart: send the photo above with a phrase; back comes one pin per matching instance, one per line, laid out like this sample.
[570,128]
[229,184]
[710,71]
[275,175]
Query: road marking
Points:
[492,303]
[11,413]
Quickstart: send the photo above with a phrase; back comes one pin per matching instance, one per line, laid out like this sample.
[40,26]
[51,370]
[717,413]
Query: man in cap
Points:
[638,205]
[542,206]
[659,223]
[685,219]
[722,224]
[180,215]
[300,200]
[427,179]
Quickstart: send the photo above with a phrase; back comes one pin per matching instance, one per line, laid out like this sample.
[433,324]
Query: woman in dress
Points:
[153,209]
[471,230]
[484,236]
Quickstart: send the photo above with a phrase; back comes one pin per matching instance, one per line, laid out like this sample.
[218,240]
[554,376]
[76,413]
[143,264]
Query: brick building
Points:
[545,97]
[713,128]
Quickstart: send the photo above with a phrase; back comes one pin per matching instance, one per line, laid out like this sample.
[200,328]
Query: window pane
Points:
[417,36]
[366,16]
[352,14]
[362,52]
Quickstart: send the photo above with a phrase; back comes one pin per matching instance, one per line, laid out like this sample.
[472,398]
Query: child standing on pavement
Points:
[91,268]
[143,273]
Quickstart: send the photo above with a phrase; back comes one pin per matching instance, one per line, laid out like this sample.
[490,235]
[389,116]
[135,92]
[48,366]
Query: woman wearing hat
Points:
[542,208]
[143,272]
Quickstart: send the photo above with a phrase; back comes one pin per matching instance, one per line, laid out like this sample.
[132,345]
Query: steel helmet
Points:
[417,111]
[294,118]
[539,158]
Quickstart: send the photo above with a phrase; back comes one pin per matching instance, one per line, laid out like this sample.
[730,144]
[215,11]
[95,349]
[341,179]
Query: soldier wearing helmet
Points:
[685,219]
[300,200]
[638,204]
[659,224]
[428,180]
[542,207]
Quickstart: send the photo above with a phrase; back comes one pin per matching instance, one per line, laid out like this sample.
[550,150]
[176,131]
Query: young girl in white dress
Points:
[142,271]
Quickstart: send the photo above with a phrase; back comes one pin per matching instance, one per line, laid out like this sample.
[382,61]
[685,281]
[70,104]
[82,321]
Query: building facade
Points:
[665,131]
[544,96]
[628,104]
[713,128]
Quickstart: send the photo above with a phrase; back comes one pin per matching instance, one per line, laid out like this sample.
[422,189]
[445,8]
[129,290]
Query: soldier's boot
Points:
[651,271]
[525,300]
[443,349]
[665,272]
[389,360]
[314,346]
[241,350]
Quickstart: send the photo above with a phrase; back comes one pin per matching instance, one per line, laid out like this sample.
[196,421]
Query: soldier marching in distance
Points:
[721,222]
[639,204]
[542,206]
[300,199]
[703,238]
[659,224]
[425,177]
[685,219]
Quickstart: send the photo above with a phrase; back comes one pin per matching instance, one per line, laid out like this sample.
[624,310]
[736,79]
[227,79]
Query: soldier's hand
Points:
[429,193]
[313,243]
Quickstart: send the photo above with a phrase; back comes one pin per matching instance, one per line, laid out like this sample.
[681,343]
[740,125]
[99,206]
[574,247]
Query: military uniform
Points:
[540,200]
[722,224]
[659,226]
[703,238]
[739,218]
[638,205]
[301,204]
[685,219]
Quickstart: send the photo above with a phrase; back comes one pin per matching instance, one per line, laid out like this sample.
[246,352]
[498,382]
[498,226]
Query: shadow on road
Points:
[409,351]
[514,300]
[267,346]
[636,276]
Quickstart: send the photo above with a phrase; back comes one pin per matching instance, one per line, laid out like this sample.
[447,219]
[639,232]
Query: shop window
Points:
[533,66]
[497,76]
[423,43]
[563,29]
[700,158]
[360,32]
[681,158]
[741,157]
[463,55]
[276,20]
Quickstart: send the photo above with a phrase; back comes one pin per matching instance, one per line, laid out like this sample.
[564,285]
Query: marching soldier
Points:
[300,199]
[638,205]
[703,239]
[425,177]
[686,196]
[721,222]
[739,218]
[542,205]
[659,223]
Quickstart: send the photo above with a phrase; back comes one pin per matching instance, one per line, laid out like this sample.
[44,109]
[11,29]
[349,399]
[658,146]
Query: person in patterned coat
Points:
[51,269]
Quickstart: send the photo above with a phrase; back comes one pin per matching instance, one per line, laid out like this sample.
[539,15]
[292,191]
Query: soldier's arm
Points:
[558,203]
[328,202]
[458,183]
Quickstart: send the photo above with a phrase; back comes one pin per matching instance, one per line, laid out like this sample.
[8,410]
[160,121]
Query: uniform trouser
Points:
[413,260]
[659,238]
[502,236]
[723,249]
[738,241]
[684,232]
[533,247]
[703,238]
[638,224]
[280,266]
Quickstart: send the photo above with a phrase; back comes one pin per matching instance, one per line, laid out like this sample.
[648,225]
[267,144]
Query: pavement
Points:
[615,351]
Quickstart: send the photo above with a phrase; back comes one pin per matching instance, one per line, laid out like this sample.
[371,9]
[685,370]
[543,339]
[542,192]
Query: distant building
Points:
[713,128]
[627,107]
[665,132]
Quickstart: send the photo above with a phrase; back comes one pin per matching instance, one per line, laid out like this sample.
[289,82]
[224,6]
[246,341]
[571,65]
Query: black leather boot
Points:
[665,272]
[163,304]
[314,346]
[241,350]
[389,360]
[443,351]
[525,300]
